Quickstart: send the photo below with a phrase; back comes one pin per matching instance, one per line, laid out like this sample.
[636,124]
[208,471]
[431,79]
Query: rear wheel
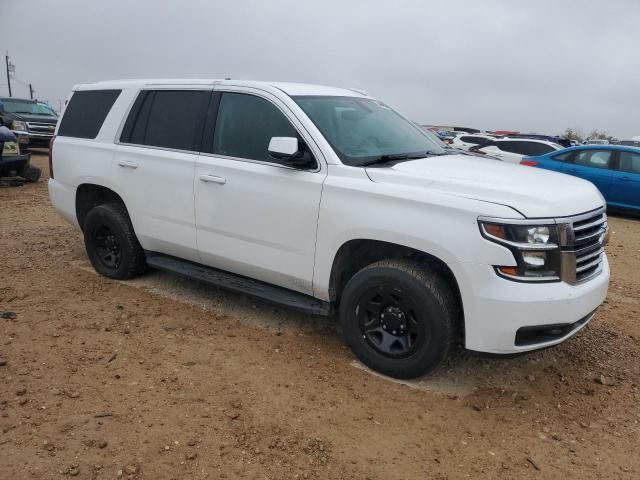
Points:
[398,317]
[111,243]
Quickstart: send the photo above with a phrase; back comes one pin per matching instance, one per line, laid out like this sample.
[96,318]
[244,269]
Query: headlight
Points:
[535,248]
[19,126]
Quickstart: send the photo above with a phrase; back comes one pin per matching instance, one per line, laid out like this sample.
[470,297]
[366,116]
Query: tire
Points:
[421,315]
[111,243]
[30,173]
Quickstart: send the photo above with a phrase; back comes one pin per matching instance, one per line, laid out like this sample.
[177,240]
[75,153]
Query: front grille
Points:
[585,242]
[41,128]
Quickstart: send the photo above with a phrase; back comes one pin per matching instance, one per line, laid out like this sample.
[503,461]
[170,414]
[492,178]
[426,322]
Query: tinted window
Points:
[630,162]
[246,124]
[526,148]
[593,158]
[168,119]
[86,112]
[475,140]
[536,148]
[512,147]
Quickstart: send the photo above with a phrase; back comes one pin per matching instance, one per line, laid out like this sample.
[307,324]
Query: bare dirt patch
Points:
[176,380]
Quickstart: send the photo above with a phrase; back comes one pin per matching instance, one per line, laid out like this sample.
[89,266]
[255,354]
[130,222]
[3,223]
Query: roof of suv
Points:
[291,89]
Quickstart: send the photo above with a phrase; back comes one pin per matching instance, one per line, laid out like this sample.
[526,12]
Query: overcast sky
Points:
[540,65]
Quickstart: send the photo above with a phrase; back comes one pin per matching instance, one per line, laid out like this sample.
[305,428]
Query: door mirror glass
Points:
[284,147]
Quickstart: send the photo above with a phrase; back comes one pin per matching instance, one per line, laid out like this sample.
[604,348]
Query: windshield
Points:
[362,129]
[31,108]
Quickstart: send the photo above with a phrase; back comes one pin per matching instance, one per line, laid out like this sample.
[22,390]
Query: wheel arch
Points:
[356,254]
[90,195]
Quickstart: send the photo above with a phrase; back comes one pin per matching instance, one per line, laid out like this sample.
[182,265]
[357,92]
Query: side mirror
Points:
[291,152]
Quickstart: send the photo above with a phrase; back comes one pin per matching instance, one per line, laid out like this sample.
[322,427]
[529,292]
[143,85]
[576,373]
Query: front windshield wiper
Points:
[398,157]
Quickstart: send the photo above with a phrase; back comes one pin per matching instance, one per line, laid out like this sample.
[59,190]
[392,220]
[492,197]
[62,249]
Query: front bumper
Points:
[12,164]
[498,311]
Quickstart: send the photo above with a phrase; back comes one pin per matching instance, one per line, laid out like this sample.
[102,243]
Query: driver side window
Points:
[245,124]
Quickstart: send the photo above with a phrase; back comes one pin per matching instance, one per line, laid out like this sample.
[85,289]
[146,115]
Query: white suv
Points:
[469,140]
[513,150]
[327,200]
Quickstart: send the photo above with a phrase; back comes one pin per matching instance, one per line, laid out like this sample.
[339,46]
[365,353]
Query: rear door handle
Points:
[127,164]
[625,179]
[573,170]
[213,179]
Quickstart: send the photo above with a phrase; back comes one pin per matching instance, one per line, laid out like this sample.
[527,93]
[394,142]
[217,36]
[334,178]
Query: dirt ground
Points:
[161,378]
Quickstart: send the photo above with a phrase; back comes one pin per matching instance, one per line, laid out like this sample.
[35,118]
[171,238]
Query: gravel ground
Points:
[161,378]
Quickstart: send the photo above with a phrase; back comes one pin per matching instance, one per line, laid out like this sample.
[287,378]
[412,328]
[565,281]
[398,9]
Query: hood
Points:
[26,117]
[533,192]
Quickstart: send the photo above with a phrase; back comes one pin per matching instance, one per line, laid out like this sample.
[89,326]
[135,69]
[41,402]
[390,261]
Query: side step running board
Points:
[237,283]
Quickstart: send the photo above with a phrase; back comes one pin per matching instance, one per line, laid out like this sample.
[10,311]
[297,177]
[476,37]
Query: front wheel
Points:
[111,243]
[30,173]
[398,317]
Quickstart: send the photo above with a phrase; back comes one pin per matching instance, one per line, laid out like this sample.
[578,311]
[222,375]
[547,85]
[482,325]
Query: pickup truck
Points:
[328,201]
[32,122]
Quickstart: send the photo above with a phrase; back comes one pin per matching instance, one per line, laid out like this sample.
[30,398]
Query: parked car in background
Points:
[614,169]
[629,143]
[12,162]
[513,150]
[596,141]
[466,141]
[32,122]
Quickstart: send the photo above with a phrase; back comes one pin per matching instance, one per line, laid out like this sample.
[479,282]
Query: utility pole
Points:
[6,58]
[30,91]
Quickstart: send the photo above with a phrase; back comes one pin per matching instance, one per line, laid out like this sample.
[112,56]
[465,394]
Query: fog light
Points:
[535,259]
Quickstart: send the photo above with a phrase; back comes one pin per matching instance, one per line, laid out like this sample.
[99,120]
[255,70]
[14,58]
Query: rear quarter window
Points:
[86,112]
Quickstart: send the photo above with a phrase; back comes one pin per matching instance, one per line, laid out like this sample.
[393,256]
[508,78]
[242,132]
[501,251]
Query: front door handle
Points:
[573,170]
[625,179]
[127,164]
[213,179]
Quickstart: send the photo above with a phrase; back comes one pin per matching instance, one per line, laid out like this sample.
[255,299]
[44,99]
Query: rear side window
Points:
[245,126]
[474,140]
[512,147]
[630,162]
[593,158]
[535,148]
[168,119]
[86,112]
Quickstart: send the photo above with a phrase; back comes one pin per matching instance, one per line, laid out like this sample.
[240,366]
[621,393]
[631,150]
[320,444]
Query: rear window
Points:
[168,119]
[86,112]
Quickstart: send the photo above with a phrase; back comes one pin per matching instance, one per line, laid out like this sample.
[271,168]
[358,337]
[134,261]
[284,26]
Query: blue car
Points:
[614,169]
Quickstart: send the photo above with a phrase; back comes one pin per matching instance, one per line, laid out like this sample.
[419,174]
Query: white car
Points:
[328,201]
[466,141]
[513,150]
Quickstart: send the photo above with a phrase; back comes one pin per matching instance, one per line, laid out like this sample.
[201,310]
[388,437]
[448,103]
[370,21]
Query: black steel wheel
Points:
[107,246]
[111,243]
[389,321]
[399,317]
